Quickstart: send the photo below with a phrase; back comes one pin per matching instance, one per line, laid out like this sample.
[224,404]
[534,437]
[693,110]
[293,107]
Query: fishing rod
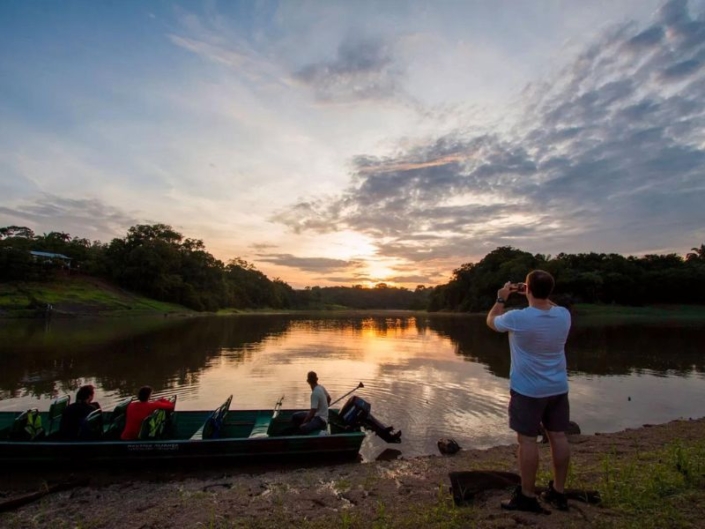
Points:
[360,385]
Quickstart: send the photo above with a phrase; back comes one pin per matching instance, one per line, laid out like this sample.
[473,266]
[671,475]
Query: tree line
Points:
[157,261]
[381,296]
[580,278]
[153,260]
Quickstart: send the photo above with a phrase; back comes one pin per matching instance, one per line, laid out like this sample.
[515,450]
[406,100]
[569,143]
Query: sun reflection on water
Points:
[429,376]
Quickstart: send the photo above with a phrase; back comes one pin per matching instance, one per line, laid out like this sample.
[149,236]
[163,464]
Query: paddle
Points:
[360,385]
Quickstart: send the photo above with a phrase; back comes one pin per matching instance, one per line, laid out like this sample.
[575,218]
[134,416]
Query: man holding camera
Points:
[538,381]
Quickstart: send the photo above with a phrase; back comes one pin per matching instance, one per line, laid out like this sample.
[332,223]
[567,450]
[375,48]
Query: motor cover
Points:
[355,411]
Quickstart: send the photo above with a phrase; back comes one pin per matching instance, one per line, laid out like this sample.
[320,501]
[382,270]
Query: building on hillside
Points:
[49,257]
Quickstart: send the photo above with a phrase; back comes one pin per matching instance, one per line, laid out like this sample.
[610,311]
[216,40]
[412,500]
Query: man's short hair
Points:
[84,392]
[540,283]
[312,377]
[144,393]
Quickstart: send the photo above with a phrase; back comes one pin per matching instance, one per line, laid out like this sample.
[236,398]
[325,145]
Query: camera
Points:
[519,287]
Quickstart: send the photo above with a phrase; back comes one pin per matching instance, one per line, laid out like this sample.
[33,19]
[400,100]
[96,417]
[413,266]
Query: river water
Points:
[431,376]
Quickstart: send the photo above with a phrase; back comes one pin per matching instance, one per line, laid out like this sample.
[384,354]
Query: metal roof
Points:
[50,255]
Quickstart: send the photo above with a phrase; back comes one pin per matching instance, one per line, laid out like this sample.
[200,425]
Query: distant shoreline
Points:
[87,297]
[583,314]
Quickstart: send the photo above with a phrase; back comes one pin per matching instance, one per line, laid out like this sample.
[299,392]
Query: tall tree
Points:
[696,254]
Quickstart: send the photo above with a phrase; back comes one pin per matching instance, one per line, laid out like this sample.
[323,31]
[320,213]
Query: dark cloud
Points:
[262,246]
[609,156]
[88,218]
[345,280]
[362,69]
[310,264]
[409,280]
[646,38]
[344,272]
[682,69]
[673,13]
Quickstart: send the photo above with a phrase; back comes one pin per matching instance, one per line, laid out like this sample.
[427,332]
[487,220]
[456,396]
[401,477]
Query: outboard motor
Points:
[356,412]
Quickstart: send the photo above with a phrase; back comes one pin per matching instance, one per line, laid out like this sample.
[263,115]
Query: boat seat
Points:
[153,425]
[27,426]
[261,426]
[117,420]
[91,428]
[56,410]
[213,426]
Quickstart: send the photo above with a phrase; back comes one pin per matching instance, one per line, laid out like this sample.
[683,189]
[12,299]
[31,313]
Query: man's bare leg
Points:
[560,459]
[528,455]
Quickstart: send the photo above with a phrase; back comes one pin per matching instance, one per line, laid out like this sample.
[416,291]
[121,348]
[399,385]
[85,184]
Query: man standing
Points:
[538,382]
[315,418]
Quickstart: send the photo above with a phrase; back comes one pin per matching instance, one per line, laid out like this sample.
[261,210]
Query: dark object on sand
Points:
[519,502]
[573,429]
[448,446]
[389,454]
[465,485]
[19,501]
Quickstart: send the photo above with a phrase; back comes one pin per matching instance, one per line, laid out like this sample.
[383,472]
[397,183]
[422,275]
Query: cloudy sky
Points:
[356,142]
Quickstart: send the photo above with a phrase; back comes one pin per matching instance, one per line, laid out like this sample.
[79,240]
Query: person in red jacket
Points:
[141,408]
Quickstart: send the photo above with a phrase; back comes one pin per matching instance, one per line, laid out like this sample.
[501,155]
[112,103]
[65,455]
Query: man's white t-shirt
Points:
[319,402]
[537,345]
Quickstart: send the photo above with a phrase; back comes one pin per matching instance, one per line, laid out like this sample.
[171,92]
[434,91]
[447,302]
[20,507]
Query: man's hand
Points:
[498,308]
[505,291]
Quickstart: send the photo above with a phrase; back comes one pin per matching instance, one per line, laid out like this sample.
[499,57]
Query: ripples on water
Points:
[430,376]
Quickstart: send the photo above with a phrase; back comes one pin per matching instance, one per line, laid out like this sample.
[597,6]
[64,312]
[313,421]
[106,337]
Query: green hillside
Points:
[77,296]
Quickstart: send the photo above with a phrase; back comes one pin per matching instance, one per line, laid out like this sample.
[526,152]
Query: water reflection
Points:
[430,376]
[122,355]
[608,350]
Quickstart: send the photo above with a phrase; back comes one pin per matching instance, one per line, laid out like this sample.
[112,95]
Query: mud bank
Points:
[399,493]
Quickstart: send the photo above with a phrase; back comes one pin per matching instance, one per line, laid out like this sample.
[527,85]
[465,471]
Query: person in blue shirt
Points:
[538,383]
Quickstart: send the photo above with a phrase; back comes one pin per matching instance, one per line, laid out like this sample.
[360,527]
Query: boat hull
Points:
[183,447]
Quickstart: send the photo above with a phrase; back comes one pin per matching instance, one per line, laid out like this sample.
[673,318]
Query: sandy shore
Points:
[399,493]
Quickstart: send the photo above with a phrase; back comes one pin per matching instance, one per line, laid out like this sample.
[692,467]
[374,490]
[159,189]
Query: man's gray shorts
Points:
[527,413]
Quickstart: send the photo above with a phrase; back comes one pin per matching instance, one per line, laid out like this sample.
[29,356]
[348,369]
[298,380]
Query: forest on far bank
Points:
[158,262]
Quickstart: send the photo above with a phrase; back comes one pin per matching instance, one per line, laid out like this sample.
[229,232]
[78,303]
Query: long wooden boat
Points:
[219,435]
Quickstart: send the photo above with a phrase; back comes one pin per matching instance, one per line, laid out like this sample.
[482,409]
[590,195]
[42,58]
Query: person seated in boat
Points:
[315,418]
[74,414]
[138,410]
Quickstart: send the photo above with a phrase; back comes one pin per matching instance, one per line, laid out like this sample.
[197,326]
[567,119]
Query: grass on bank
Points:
[619,314]
[655,489]
[77,295]
[649,490]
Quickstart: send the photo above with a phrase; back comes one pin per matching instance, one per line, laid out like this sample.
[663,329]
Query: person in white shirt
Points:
[316,418]
[538,383]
